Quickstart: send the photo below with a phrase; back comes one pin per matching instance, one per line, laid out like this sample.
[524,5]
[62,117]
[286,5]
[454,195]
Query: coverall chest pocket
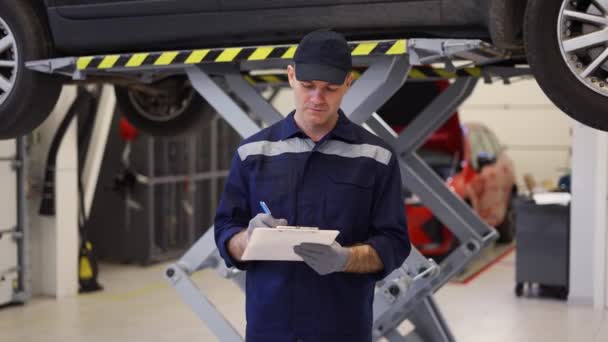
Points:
[348,201]
[271,185]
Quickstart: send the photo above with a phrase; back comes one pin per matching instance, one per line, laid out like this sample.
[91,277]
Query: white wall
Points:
[8,220]
[537,134]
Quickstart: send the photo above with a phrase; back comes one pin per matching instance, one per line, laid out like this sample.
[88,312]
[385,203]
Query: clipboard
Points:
[277,243]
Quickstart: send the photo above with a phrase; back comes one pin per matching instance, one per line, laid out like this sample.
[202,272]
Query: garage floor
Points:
[138,305]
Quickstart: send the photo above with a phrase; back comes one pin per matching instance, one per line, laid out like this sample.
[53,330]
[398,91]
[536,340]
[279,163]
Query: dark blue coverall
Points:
[349,181]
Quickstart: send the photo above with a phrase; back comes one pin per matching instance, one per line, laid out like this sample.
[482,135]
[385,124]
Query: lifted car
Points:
[564,41]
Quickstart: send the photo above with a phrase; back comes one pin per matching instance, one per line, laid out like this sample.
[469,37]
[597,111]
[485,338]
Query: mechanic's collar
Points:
[343,130]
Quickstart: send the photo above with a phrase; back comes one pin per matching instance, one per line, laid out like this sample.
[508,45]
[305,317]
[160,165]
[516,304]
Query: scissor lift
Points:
[220,75]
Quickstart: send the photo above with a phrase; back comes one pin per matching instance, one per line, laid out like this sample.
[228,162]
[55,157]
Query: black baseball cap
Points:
[323,56]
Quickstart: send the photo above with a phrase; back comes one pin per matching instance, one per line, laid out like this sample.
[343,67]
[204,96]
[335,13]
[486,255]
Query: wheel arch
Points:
[41,7]
[505,22]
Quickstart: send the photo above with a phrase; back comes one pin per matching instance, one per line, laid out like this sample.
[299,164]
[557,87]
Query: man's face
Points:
[317,102]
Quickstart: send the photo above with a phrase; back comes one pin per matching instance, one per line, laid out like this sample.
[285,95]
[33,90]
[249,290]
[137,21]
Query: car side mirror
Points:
[484,159]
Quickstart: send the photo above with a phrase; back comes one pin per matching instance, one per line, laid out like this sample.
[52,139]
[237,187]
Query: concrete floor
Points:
[137,305]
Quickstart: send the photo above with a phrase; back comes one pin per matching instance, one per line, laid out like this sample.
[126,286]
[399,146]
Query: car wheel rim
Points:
[161,108]
[583,39]
[9,61]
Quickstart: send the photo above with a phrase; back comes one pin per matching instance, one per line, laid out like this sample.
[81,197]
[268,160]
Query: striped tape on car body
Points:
[225,55]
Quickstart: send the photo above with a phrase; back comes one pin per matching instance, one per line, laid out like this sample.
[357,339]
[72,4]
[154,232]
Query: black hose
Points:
[47,205]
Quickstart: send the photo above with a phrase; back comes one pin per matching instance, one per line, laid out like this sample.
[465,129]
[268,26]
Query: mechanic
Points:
[315,168]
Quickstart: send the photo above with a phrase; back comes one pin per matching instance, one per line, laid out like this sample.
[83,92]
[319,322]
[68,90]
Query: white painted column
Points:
[54,240]
[97,147]
[588,216]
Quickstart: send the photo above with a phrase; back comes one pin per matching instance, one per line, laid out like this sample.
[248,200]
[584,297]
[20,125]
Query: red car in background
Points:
[471,161]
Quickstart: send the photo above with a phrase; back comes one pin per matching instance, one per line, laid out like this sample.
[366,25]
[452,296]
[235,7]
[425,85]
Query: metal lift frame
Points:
[407,293]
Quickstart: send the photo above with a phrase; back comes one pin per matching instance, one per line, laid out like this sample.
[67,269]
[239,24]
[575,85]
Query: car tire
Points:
[30,96]
[178,110]
[561,82]
[507,227]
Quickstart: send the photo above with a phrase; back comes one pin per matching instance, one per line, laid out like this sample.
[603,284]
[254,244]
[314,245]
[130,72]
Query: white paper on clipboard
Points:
[277,243]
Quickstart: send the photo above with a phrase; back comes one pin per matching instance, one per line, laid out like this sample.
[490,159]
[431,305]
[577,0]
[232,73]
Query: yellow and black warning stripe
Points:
[267,79]
[423,73]
[225,55]
[416,73]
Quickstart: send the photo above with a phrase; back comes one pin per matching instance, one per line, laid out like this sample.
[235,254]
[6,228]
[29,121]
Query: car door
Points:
[493,176]
[504,169]
[91,9]
[131,25]
[485,187]
[351,17]
[230,5]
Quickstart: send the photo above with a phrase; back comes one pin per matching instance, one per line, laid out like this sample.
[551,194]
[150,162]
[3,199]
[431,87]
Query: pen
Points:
[265,207]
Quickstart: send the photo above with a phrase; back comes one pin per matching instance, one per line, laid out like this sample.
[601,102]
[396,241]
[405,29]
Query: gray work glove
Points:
[264,221]
[322,258]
